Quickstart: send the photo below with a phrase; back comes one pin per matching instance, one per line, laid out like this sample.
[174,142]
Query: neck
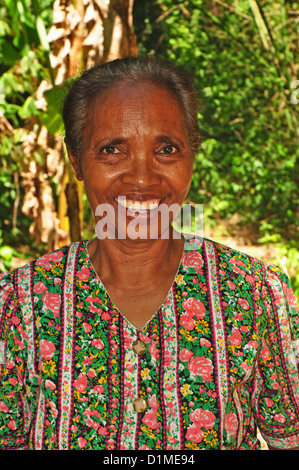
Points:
[124,260]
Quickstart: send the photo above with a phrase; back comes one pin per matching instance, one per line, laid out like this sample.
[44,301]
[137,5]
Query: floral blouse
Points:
[216,361]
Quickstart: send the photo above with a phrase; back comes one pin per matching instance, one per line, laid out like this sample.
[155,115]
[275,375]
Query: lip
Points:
[144,214]
[140,197]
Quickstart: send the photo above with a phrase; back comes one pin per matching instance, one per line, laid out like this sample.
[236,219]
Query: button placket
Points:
[140,404]
[139,348]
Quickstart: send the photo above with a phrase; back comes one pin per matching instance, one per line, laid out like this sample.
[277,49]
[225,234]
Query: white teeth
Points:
[137,205]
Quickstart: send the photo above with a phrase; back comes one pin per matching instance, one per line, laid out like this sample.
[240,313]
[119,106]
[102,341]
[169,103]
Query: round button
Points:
[139,347]
[140,405]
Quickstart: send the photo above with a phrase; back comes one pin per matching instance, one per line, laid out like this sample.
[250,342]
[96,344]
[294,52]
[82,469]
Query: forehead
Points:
[140,105]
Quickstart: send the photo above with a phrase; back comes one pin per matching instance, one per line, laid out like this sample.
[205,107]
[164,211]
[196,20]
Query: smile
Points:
[138,206]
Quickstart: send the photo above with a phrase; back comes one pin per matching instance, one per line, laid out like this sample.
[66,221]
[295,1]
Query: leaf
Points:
[8,54]
[52,118]
[28,109]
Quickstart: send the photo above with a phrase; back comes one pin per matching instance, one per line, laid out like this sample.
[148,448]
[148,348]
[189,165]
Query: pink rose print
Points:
[269,402]
[53,408]
[235,338]
[102,431]
[43,263]
[152,401]
[231,424]
[49,259]
[169,386]
[49,384]
[55,257]
[194,307]
[83,275]
[105,316]
[265,353]
[144,338]
[16,321]
[82,442]
[194,433]
[3,407]
[47,349]
[237,261]
[154,352]
[280,418]
[9,364]
[81,383]
[187,322]
[40,287]
[97,343]
[202,366]
[52,302]
[12,425]
[193,259]
[185,354]
[253,344]
[291,299]
[205,342]
[130,367]
[244,304]
[236,269]
[150,419]
[203,418]
[95,309]
[87,327]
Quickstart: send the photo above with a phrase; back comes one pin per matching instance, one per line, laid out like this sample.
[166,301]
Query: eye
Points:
[168,149]
[109,150]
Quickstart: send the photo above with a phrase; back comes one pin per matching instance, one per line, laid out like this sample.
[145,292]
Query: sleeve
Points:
[14,413]
[276,387]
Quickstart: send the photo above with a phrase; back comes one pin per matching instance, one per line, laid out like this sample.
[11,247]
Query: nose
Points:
[141,172]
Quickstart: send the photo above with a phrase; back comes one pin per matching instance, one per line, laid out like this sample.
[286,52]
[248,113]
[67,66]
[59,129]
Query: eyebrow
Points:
[170,139]
[105,142]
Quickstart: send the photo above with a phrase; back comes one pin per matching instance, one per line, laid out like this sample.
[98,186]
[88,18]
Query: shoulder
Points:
[7,288]
[47,266]
[269,278]
[230,254]
[233,262]
[228,258]
[57,257]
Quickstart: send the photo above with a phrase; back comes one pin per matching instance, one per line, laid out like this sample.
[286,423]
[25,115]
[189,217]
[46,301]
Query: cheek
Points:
[181,177]
[94,188]
[95,179]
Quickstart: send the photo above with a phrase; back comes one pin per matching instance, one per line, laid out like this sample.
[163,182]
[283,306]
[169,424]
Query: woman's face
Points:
[135,156]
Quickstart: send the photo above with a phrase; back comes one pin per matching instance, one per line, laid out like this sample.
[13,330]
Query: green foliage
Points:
[248,160]
[288,257]
[24,64]
[52,117]
[6,257]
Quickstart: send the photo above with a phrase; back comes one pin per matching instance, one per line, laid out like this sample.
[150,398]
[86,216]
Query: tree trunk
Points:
[83,34]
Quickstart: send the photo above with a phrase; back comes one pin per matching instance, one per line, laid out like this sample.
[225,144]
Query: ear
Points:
[74,161]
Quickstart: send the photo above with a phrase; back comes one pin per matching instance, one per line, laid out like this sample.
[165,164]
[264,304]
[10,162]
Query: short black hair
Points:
[100,78]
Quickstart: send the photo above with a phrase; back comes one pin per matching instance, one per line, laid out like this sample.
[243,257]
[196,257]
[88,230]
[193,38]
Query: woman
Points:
[148,342]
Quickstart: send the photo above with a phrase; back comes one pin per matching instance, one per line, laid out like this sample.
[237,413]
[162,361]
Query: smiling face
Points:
[135,151]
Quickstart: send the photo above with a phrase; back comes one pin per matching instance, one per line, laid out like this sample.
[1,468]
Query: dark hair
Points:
[129,69]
